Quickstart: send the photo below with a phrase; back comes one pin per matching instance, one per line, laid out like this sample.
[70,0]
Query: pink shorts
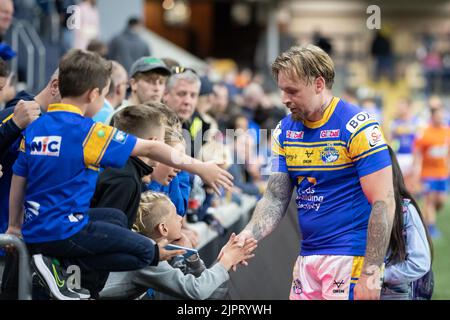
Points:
[325,277]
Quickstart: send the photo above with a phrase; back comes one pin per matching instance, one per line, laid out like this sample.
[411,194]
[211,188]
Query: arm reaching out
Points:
[270,209]
[211,173]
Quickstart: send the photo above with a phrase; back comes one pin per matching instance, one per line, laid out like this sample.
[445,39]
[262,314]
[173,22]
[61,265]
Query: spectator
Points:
[6,18]
[116,94]
[381,50]
[181,95]
[128,47]
[410,250]
[148,78]
[90,24]
[121,188]
[157,219]
[322,42]
[98,47]
[17,116]
[83,80]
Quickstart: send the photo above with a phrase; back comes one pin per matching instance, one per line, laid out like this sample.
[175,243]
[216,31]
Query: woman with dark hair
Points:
[408,274]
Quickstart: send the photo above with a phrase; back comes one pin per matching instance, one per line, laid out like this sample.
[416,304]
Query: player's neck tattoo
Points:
[325,106]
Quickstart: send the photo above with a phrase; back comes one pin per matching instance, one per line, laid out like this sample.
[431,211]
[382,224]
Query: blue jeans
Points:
[103,245]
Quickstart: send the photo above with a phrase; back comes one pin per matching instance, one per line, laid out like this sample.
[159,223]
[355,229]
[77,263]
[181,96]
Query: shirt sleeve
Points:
[20,167]
[107,146]
[9,131]
[418,257]
[278,153]
[368,149]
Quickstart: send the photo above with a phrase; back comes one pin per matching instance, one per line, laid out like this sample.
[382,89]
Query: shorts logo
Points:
[329,154]
[297,287]
[46,146]
[294,134]
[325,134]
[374,136]
[358,120]
[338,285]
[120,137]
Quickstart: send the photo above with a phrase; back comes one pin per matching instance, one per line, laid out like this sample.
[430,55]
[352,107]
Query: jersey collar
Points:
[327,115]
[64,107]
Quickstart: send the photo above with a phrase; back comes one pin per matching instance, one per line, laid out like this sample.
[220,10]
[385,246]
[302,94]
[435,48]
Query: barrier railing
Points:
[24,264]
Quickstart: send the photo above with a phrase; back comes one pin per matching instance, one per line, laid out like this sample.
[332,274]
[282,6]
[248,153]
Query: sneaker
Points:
[53,277]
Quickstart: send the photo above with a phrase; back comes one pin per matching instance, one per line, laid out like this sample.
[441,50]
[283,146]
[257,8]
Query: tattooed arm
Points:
[379,190]
[270,209]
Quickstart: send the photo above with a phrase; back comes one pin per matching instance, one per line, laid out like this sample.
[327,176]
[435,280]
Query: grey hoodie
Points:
[198,283]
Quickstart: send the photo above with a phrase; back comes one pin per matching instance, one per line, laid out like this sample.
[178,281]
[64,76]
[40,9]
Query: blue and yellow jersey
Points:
[403,135]
[325,160]
[61,155]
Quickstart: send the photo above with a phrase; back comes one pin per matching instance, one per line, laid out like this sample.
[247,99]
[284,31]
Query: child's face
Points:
[97,100]
[173,224]
[158,135]
[149,88]
[164,174]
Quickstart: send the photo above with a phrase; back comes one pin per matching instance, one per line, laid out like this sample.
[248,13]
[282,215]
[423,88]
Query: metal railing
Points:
[23,32]
[24,264]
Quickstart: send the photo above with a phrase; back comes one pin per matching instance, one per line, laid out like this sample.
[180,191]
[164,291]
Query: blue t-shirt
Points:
[325,160]
[61,154]
[178,191]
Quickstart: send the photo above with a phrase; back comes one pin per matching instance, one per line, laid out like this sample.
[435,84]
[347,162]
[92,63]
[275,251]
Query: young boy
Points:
[122,188]
[157,219]
[55,174]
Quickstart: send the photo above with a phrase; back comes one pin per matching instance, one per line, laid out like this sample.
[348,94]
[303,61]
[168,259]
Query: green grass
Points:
[441,262]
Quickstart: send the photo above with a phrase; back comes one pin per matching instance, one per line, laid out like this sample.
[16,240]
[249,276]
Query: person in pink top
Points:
[90,24]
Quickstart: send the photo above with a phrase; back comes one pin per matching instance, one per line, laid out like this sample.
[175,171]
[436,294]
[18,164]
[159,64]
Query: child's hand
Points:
[13,231]
[232,253]
[183,241]
[164,254]
[215,177]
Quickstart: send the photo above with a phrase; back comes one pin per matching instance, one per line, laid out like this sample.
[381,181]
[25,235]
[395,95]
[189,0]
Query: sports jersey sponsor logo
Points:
[329,154]
[120,136]
[325,134]
[374,136]
[306,197]
[295,134]
[46,146]
[31,210]
[297,286]
[436,152]
[338,285]
[309,154]
[357,121]
[75,217]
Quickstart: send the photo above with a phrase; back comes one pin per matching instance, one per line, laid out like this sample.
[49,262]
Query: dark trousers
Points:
[103,245]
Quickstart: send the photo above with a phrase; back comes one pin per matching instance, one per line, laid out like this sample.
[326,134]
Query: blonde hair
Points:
[172,136]
[305,63]
[151,212]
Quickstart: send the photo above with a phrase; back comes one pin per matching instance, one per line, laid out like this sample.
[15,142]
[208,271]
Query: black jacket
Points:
[121,188]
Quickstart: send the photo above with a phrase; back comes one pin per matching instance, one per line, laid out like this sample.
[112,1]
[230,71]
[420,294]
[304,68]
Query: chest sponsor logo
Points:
[307,199]
[325,134]
[295,134]
[46,146]
[329,154]
[374,136]
[358,120]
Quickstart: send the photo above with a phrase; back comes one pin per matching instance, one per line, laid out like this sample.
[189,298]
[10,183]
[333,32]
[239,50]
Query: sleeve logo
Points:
[374,136]
[120,137]
[358,120]
[46,146]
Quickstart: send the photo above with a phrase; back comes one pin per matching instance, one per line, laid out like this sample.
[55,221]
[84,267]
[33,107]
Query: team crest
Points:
[330,154]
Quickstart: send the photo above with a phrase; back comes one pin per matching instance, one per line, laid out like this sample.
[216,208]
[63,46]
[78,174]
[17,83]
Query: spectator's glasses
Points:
[179,69]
